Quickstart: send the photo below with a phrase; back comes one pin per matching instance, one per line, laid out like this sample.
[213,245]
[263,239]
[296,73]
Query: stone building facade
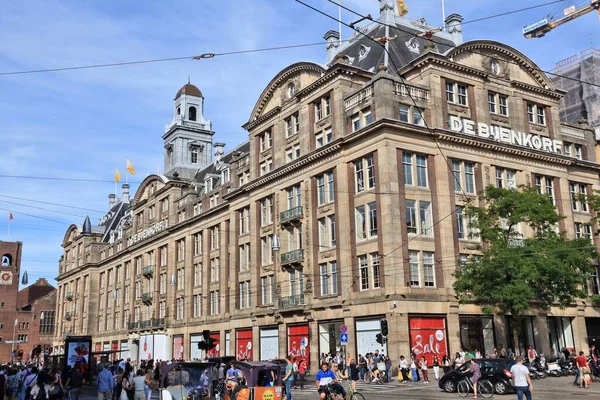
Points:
[344,207]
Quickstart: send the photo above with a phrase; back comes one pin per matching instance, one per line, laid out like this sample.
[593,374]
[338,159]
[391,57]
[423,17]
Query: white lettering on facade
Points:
[148,232]
[505,135]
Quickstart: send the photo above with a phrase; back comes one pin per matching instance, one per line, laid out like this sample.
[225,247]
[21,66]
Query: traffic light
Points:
[208,342]
[384,327]
[379,338]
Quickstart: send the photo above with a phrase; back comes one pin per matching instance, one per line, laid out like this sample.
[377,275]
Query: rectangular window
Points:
[355,122]
[181,250]
[464,228]
[327,103]
[506,178]
[368,117]
[214,302]
[294,197]
[413,257]
[535,114]
[244,253]
[409,162]
[245,294]
[567,148]
[492,102]
[503,105]
[292,125]
[292,153]
[422,269]
[462,95]
[328,278]
[323,137]
[595,283]
[545,185]
[421,222]
[266,250]
[197,244]
[326,232]
[266,211]
[197,274]
[318,110]
[530,112]
[404,113]
[540,116]
[464,177]
[411,114]
[428,270]
[408,168]
[244,218]
[449,92]
[360,166]
[214,270]
[197,305]
[266,140]
[578,196]
[453,89]
[578,154]
[267,284]
[325,188]
[364,272]
[366,221]
[214,237]
[421,171]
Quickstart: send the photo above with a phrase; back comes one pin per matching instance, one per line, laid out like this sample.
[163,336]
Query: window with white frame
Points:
[245,295]
[164,205]
[325,188]
[197,300]
[464,176]
[215,270]
[266,250]
[296,283]
[266,166]
[595,282]
[213,200]
[152,212]
[244,251]
[181,278]
[322,108]
[535,114]
[367,117]
[545,185]
[214,302]
[214,237]
[294,196]
[194,156]
[418,217]
[266,140]
[364,173]
[292,125]
[323,137]
[567,149]
[197,274]
[179,308]
[292,153]
[583,231]
[497,103]
[370,275]
[326,232]
[411,114]
[355,120]
[197,244]
[244,219]
[329,276]
[266,211]
[180,244]
[456,93]
[294,236]
[366,221]
[506,178]
[414,165]
[577,192]
[422,271]
[578,152]
[162,286]
[197,208]
[464,230]
[267,289]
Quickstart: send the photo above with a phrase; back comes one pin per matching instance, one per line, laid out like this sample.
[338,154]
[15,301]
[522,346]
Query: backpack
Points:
[28,389]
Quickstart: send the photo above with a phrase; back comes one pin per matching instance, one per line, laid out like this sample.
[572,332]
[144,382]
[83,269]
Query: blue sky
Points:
[84,124]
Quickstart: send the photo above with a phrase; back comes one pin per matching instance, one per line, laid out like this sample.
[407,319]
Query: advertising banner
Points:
[146,347]
[243,339]
[298,343]
[78,351]
[428,337]
[215,351]
[178,347]
[268,393]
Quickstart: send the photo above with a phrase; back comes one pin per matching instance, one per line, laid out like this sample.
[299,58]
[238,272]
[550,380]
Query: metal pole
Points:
[12,345]
[443,15]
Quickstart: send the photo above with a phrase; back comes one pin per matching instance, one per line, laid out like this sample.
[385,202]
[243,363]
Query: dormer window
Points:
[208,183]
[225,175]
[192,113]
[178,110]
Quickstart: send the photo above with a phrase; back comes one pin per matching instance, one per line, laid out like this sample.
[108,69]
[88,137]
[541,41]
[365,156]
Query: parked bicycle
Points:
[485,388]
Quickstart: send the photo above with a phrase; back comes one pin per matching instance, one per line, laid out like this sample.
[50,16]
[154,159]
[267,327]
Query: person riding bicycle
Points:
[372,367]
[324,377]
[233,377]
[476,373]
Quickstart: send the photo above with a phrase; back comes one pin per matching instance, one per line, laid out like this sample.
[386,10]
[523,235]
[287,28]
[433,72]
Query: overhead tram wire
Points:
[52,204]
[432,39]
[511,12]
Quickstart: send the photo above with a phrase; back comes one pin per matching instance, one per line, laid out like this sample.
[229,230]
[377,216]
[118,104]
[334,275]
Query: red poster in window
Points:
[178,347]
[215,351]
[243,339]
[97,349]
[298,343]
[114,346]
[428,337]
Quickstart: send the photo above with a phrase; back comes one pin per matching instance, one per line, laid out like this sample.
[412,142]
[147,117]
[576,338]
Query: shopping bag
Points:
[399,376]
[410,375]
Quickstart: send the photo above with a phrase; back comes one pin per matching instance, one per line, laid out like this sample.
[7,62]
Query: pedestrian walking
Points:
[288,379]
[139,384]
[105,384]
[424,371]
[75,382]
[584,368]
[302,372]
[296,372]
[522,380]
[362,366]
[126,384]
[354,375]
[436,367]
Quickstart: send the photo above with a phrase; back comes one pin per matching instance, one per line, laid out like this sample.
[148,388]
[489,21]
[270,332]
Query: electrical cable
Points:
[511,12]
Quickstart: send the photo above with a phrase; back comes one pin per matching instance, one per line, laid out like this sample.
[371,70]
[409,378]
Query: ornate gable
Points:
[151,184]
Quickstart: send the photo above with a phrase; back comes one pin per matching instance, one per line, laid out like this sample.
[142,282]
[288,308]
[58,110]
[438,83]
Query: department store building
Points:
[343,207]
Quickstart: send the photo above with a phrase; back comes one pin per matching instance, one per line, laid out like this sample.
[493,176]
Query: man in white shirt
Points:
[523,384]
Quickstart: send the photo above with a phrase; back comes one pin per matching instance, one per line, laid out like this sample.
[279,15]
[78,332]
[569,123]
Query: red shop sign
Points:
[244,344]
[428,337]
[298,343]
[215,351]
[178,347]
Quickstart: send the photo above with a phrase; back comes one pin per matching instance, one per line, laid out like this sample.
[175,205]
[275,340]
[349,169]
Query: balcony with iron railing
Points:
[148,270]
[293,214]
[291,301]
[146,324]
[147,298]
[292,257]
[69,295]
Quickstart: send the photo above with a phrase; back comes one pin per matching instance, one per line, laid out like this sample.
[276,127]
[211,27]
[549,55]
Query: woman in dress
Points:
[436,367]
[446,363]
[126,386]
[354,375]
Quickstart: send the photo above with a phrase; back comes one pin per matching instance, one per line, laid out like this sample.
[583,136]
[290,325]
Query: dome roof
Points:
[189,89]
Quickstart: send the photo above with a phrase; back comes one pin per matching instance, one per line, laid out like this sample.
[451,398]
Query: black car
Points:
[496,370]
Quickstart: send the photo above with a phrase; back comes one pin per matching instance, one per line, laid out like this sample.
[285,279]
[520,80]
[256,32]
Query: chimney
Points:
[218,151]
[387,13]
[112,199]
[454,26]
[125,193]
[332,38]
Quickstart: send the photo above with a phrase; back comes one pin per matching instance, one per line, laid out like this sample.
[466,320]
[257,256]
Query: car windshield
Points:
[189,381]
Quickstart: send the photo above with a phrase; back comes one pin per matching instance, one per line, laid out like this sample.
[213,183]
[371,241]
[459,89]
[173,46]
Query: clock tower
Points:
[10,268]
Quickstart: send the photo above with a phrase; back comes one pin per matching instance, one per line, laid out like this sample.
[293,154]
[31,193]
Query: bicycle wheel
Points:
[464,388]
[368,377]
[356,396]
[485,389]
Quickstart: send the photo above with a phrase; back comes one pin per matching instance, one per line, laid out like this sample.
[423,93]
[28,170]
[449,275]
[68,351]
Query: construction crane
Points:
[540,28]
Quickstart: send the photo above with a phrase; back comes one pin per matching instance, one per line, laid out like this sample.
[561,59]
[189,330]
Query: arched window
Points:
[192,114]
[178,111]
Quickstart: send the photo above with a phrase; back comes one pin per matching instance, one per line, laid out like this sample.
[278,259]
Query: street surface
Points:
[544,389]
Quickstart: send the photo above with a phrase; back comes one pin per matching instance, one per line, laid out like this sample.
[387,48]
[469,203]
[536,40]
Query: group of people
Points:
[117,380]
[29,382]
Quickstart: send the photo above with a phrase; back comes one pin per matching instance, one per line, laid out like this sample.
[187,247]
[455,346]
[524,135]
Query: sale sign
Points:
[178,347]
[215,351]
[298,343]
[428,337]
[244,344]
